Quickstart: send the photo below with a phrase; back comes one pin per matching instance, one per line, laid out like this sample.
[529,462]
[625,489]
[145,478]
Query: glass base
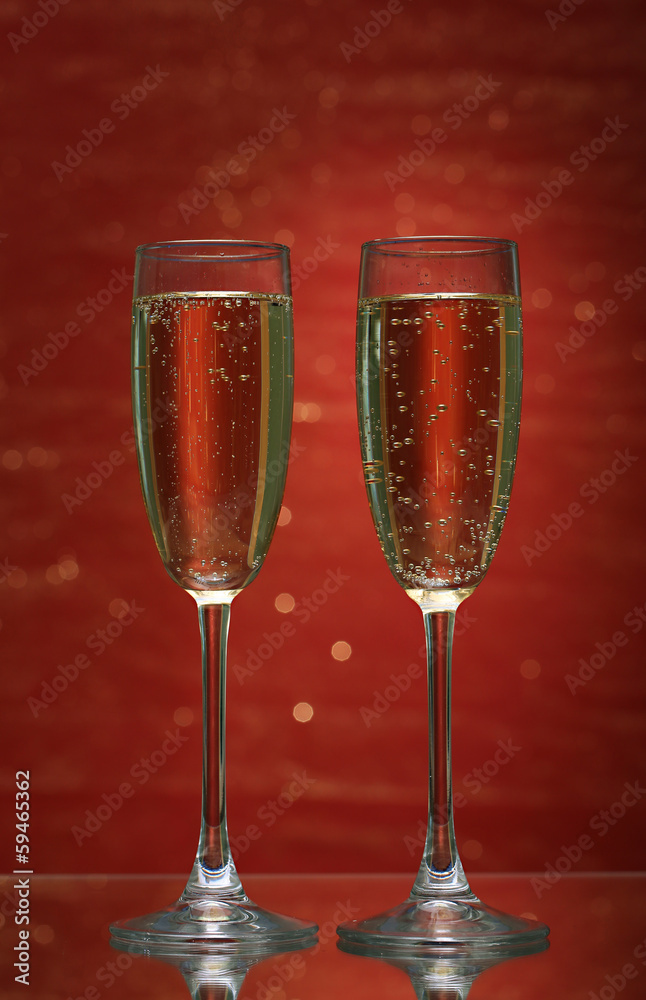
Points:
[211,926]
[426,926]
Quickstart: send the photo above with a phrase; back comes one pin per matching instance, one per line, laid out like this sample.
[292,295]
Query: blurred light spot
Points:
[291,138]
[118,607]
[541,298]
[404,203]
[544,383]
[43,934]
[308,412]
[639,350]
[584,310]
[303,712]
[383,86]
[405,226]
[325,364]
[454,173]
[472,849]
[12,459]
[285,236]
[43,529]
[232,218]
[530,669]
[498,119]
[260,196]
[617,423]
[321,173]
[523,100]
[284,603]
[224,199]
[68,569]
[18,579]
[53,460]
[442,213]
[595,271]
[420,124]
[183,716]
[528,915]
[53,575]
[328,97]
[37,456]
[284,517]
[577,283]
[341,650]
[114,232]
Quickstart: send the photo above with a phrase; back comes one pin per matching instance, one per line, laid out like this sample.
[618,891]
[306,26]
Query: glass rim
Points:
[172,250]
[398,245]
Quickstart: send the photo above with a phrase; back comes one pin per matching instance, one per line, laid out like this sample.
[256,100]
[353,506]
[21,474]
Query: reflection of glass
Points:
[449,975]
[212,391]
[438,392]
[220,976]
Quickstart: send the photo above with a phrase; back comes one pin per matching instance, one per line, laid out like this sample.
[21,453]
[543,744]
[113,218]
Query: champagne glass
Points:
[212,349]
[439,360]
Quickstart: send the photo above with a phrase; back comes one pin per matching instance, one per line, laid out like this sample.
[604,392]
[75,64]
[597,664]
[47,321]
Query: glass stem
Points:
[441,873]
[214,872]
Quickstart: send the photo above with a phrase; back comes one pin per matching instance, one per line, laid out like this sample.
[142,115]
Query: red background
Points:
[322,178]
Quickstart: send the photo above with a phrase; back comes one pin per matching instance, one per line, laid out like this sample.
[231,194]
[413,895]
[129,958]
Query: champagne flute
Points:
[439,360]
[212,342]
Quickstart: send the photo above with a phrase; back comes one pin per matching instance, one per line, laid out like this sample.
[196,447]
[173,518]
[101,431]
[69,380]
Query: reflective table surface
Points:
[597,947]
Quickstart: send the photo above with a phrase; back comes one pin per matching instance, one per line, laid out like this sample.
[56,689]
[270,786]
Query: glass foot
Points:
[423,926]
[211,926]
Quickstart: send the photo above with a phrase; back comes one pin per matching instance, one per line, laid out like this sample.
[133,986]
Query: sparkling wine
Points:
[213,470]
[439,430]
